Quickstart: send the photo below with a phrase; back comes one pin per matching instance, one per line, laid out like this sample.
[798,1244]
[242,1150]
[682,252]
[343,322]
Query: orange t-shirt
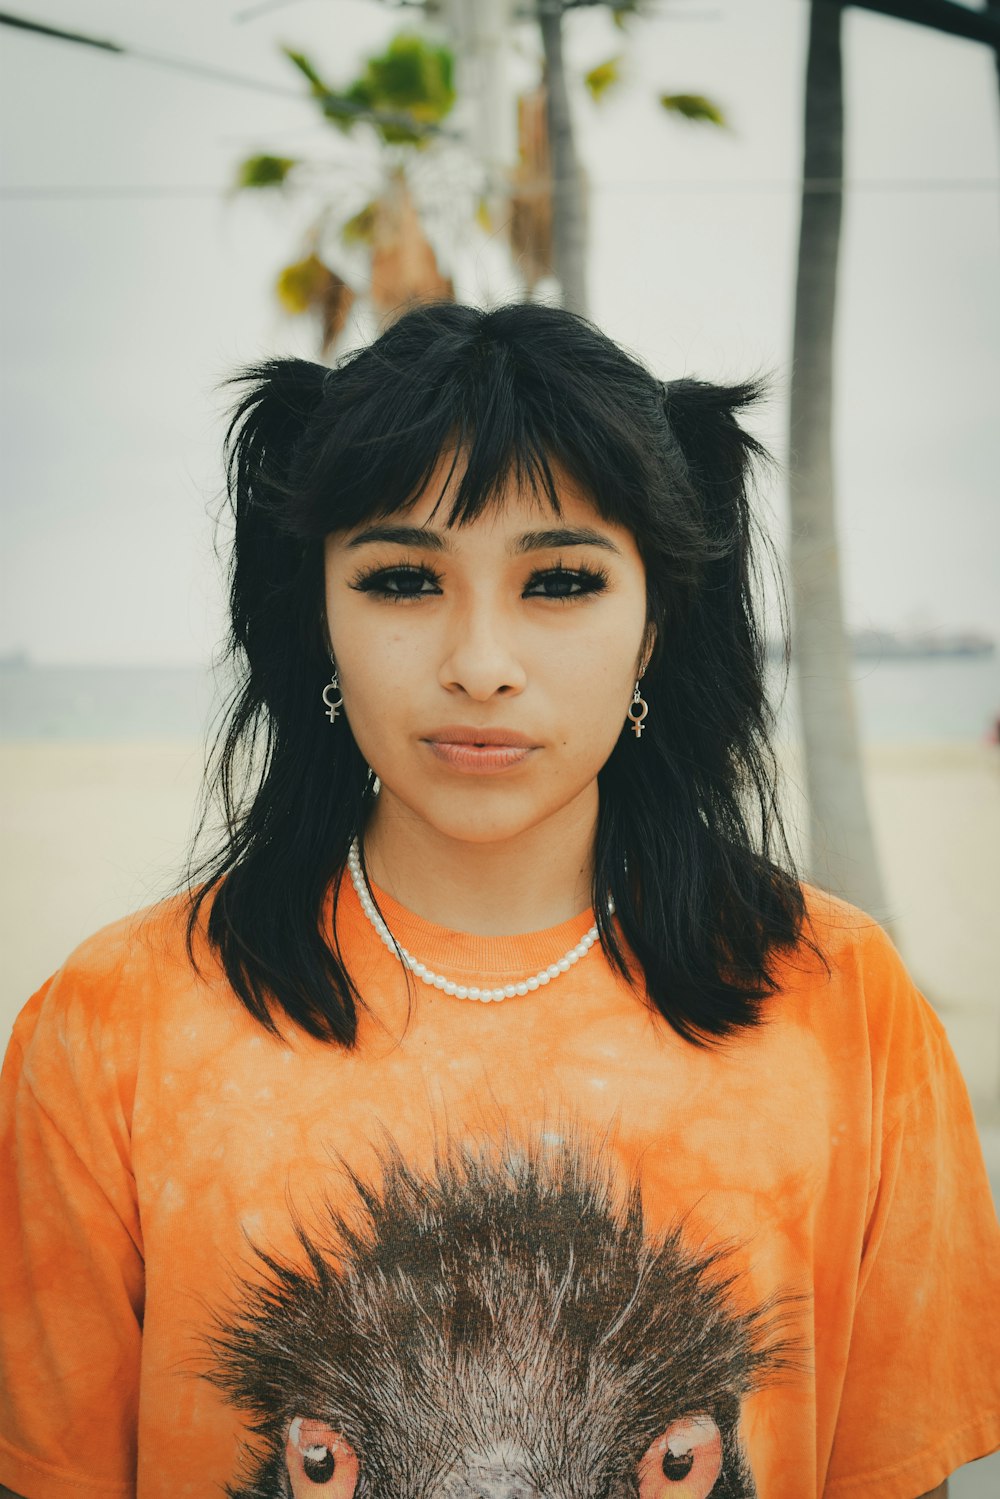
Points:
[536,1248]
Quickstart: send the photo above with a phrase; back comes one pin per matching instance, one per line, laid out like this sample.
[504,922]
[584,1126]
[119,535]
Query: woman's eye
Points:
[570,583]
[399,582]
[559,583]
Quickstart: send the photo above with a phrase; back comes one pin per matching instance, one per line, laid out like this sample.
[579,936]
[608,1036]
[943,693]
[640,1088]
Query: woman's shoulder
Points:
[848,935]
[867,982]
[150,942]
[112,980]
[847,962]
[76,1055]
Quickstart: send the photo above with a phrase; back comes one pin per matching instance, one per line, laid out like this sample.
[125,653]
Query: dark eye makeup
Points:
[406,581]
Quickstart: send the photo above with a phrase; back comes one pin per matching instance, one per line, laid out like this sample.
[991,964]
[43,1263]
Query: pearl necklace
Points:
[448,986]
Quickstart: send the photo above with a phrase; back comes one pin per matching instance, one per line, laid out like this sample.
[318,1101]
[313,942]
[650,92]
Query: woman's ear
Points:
[648,647]
[323,629]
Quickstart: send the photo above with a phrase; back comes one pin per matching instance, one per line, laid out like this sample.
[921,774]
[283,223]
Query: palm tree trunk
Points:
[842,855]
[993,6]
[569,227]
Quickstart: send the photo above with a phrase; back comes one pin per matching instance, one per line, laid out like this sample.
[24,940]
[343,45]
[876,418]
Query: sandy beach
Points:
[93,830]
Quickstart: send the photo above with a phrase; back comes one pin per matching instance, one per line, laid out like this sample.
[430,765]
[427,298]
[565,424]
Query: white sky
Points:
[121,315]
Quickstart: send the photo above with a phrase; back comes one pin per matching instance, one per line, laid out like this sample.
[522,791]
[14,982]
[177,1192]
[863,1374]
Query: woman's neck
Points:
[537,879]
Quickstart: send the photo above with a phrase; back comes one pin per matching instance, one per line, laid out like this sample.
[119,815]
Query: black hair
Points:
[689,839]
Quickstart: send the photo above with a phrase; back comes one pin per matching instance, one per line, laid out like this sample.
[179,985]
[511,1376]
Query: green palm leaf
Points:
[263,171]
[604,77]
[694,107]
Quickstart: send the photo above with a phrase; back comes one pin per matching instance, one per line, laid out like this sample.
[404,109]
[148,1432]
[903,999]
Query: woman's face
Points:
[520,621]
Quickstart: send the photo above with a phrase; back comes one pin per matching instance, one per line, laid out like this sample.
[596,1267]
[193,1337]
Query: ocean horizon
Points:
[898,700]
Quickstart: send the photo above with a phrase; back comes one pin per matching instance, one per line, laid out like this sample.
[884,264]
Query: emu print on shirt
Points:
[502,1328]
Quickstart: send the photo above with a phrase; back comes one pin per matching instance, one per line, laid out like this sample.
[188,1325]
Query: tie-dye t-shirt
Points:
[537,1249]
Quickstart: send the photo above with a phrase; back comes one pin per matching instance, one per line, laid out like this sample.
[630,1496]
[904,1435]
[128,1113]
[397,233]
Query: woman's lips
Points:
[482,759]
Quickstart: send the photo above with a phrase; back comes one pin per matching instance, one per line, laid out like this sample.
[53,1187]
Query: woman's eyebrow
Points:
[528,541]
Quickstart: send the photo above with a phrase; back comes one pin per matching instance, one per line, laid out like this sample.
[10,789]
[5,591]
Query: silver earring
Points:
[635,718]
[334,704]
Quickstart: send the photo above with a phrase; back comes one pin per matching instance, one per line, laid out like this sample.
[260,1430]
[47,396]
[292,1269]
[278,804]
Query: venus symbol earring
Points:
[332,695]
[637,710]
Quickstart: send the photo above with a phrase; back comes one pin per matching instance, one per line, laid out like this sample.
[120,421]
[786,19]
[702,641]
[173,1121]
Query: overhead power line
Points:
[211,74]
[651,186]
[162,60]
[73,194]
[939,15]
[64,36]
[949,16]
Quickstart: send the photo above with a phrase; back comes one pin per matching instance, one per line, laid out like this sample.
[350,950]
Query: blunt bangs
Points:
[510,399]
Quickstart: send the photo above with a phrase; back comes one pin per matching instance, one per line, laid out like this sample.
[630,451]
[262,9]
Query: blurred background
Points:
[727,187]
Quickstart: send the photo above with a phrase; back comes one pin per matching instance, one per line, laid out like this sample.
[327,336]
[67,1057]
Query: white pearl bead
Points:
[437,980]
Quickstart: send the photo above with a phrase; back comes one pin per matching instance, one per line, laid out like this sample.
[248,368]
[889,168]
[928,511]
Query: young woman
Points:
[497,1114]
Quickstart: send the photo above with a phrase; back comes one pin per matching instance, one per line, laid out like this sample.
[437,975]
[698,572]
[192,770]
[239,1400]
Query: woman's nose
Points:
[480,658]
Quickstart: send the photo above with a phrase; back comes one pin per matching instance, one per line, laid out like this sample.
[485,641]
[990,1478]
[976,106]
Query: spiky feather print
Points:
[500,1327]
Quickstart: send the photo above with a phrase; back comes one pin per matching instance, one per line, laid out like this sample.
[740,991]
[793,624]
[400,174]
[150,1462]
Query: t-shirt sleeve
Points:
[72,1286]
[921,1392]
